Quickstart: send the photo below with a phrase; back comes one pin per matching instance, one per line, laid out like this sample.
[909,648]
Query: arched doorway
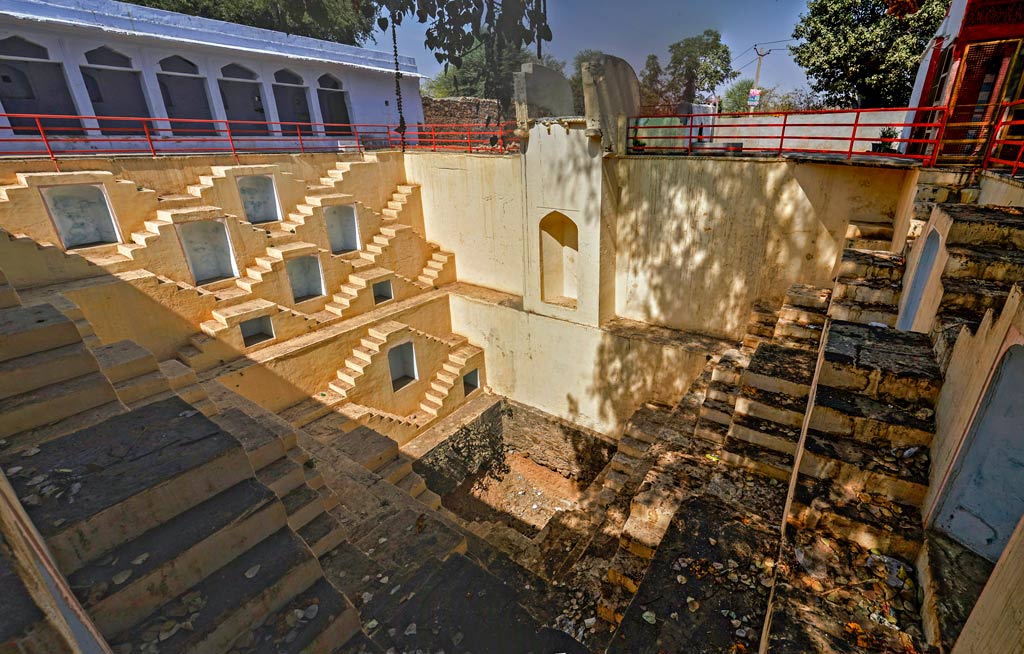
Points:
[184,93]
[984,499]
[243,101]
[115,89]
[922,273]
[559,260]
[333,106]
[292,99]
[32,84]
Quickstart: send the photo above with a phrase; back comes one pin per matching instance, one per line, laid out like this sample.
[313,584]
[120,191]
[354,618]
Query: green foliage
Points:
[331,20]
[470,79]
[772,99]
[576,81]
[696,66]
[855,54]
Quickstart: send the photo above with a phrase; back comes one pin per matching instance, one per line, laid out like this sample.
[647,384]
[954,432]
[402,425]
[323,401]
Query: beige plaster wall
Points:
[583,374]
[473,206]
[939,223]
[996,624]
[699,240]
[1000,190]
[974,359]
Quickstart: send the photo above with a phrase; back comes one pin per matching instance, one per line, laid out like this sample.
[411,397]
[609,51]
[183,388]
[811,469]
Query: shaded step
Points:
[998,227]
[871,264]
[974,294]
[126,475]
[27,330]
[230,601]
[858,417]
[130,582]
[984,263]
[32,371]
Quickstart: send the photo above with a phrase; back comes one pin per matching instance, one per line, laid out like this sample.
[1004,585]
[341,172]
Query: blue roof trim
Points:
[134,20]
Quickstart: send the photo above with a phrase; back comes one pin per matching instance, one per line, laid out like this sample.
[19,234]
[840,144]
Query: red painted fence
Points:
[1006,152]
[64,135]
[843,133]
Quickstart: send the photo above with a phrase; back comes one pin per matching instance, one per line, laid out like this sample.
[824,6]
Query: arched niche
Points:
[559,260]
[922,273]
[984,500]
[30,84]
[292,99]
[185,96]
[114,90]
[243,100]
[333,105]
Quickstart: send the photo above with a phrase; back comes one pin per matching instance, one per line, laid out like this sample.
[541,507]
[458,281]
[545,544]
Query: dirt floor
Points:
[524,496]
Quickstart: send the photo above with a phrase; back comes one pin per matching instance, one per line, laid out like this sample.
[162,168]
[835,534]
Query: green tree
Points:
[856,54]
[331,20]
[576,81]
[470,78]
[735,97]
[697,65]
[652,82]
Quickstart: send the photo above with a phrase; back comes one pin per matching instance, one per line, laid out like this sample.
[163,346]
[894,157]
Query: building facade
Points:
[83,60]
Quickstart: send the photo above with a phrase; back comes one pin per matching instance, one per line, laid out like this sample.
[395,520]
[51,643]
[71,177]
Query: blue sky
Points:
[634,29]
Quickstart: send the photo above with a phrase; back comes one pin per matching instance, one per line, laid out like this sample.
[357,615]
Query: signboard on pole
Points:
[754,98]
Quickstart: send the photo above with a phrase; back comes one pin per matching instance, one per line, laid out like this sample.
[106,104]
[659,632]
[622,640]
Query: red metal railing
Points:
[840,132]
[1006,150]
[53,136]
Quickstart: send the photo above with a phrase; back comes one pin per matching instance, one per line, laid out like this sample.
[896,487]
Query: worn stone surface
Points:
[958,576]
[459,111]
[476,446]
[573,451]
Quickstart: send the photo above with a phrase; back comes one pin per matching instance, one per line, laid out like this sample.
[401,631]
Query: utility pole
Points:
[761,54]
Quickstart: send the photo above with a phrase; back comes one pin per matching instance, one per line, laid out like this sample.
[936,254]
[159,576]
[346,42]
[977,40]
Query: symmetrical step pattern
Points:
[802,317]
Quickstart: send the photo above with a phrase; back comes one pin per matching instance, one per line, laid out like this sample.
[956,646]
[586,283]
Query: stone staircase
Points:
[868,287]
[986,259]
[760,325]
[802,317]
[659,445]
[168,541]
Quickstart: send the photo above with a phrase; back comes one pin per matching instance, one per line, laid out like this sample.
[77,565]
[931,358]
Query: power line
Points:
[773,42]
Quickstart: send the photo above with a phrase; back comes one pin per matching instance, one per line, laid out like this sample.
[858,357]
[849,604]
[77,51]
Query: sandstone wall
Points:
[458,111]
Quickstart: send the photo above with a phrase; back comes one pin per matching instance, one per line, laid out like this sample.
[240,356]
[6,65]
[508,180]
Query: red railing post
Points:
[302,147]
[46,144]
[782,137]
[937,146]
[433,139]
[853,134]
[469,144]
[355,135]
[1004,110]
[689,134]
[149,138]
[501,138]
[231,141]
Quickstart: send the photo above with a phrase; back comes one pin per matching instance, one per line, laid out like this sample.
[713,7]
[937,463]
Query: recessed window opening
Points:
[333,106]
[922,273]
[402,362]
[342,228]
[559,260]
[471,381]
[259,198]
[256,330]
[306,278]
[115,89]
[292,99]
[184,94]
[31,84]
[81,215]
[243,100]
[382,292]
[208,251]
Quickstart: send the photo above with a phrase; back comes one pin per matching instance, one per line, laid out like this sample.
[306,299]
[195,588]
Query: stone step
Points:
[781,369]
[302,505]
[397,469]
[858,417]
[858,466]
[882,314]
[998,227]
[139,390]
[883,231]
[730,367]
[868,291]
[27,440]
[53,403]
[232,600]
[777,407]
[871,264]
[801,315]
[282,476]
[315,622]
[755,458]
[984,263]
[809,297]
[430,499]
[367,447]
[44,368]
[871,520]
[881,363]
[794,334]
[323,533]
[28,330]
[233,315]
[127,475]
[262,441]
[312,408]
[633,447]
[169,559]
[974,295]
[124,360]
[765,434]
[400,544]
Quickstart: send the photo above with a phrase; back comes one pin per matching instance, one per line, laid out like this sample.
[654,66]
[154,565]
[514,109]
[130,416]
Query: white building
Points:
[93,58]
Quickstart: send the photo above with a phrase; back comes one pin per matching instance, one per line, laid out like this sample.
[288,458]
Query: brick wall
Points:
[448,111]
